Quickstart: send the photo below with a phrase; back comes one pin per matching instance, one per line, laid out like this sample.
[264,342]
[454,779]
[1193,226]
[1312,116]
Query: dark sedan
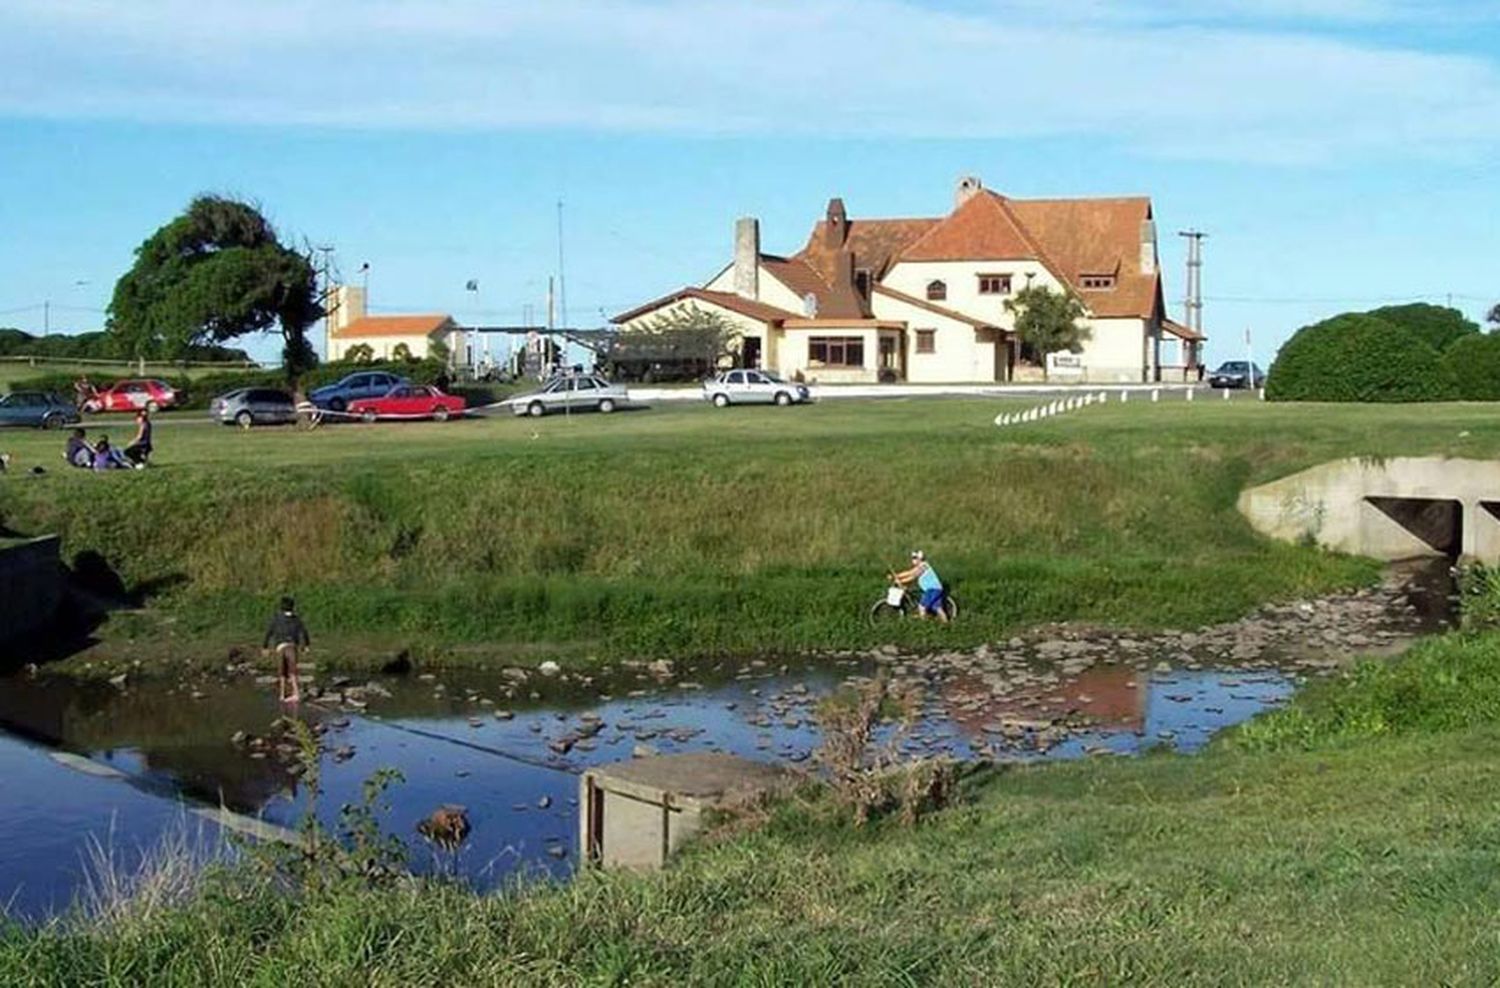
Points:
[36,409]
[1237,374]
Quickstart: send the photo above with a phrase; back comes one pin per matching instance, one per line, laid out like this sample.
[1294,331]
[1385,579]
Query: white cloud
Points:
[1247,79]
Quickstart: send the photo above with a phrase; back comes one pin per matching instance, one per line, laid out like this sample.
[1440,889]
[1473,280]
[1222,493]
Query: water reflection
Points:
[483,742]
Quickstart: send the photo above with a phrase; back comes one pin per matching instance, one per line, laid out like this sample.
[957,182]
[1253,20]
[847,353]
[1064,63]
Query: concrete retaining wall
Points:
[31,586]
[1389,509]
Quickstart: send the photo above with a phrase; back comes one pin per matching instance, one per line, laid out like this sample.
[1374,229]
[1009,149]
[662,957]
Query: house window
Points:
[994,284]
[937,291]
[1098,282]
[862,282]
[927,341]
[836,351]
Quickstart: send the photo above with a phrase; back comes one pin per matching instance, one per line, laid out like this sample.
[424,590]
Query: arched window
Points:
[937,291]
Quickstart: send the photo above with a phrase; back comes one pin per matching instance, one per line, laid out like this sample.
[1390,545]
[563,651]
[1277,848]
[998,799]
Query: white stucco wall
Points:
[792,355]
[962,279]
[959,355]
[1117,350]
[384,346]
[772,291]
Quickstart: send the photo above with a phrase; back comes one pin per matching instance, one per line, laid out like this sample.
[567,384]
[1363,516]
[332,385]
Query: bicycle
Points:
[898,603]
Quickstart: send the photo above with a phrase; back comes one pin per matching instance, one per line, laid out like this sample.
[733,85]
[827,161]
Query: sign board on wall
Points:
[1064,364]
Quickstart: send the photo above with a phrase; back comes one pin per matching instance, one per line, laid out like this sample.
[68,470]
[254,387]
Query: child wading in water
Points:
[288,636]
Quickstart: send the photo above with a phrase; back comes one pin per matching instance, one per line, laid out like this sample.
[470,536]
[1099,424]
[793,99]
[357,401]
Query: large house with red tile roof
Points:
[349,325]
[923,300]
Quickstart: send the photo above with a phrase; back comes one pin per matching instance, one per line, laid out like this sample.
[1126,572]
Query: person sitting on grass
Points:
[927,581]
[139,449]
[289,637]
[106,457]
[77,452]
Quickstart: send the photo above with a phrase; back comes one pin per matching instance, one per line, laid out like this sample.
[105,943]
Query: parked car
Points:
[245,407]
[409,401]
[363,384]
[37,409]
[1237,374]
[745,387]
[587,392]
[132,396]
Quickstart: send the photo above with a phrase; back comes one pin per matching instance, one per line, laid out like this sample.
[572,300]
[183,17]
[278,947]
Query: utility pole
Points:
[562,283]
[325,294]
[1193,304]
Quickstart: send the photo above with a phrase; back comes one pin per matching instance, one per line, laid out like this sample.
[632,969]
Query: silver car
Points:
[254,406]
[584,393]
[749,387]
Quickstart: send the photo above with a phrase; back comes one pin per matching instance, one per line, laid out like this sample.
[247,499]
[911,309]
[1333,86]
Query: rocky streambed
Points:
[507,745]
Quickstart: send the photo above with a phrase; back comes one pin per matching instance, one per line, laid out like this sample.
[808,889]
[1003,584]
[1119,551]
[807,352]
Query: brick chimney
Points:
[747,257]
[836,229]
[1148,246]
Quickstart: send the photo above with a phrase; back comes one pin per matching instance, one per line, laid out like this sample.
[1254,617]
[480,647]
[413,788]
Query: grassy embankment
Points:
[685,531]
[1351,839]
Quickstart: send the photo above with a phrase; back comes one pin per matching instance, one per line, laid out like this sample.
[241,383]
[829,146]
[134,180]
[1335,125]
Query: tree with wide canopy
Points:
[215,273]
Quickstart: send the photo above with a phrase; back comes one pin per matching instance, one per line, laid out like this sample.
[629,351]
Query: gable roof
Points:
[983,228]
[728,300]
[1096,236]
[874,243]
[421,325]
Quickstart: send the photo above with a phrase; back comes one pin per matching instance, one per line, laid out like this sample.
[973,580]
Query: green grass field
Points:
[1350,839]
[686,531]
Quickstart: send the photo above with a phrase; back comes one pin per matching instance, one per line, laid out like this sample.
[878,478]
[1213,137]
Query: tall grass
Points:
[682,531]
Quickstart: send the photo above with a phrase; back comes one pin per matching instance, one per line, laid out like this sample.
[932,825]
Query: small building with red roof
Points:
[349,326]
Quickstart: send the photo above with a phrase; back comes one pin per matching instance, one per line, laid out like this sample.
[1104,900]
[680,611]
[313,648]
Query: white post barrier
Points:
[1261,394]
[1124,396]
[1190,393]
[1226,394]
[1155,395]
[1102,397]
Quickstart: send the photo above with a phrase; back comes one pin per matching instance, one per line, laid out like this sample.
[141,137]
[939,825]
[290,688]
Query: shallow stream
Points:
[119,764]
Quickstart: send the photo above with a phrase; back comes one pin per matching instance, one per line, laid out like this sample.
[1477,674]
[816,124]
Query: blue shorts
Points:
[932,600]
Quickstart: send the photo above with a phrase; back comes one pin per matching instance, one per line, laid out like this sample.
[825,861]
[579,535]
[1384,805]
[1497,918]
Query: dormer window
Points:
[994,284]
[937,291]
[1097,282]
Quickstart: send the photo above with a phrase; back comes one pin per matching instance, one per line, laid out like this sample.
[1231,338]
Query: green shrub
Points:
[1358,357]
[1437,326]
[1450,683]
[1474,362]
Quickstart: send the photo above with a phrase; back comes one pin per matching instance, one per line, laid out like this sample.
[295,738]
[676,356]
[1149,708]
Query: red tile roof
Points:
[1096,236]
[982,229]
[1070,237]
[837,297]
[875,243]
[423,325]
[728,300]
[1180,331]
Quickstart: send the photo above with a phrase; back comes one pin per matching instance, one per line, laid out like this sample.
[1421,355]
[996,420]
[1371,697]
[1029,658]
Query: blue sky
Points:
[1340,153]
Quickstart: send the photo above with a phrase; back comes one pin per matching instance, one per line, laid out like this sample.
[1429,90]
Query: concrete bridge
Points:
[1389,509]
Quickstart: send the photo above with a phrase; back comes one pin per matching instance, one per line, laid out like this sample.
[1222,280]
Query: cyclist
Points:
[927,581]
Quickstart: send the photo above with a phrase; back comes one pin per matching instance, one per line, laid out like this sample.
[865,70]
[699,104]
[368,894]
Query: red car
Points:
[409,401]
[130,396]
